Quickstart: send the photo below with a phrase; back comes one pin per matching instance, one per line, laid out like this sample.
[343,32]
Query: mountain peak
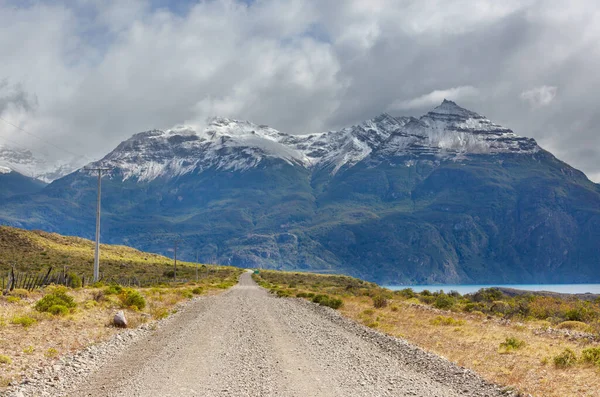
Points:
[450,108]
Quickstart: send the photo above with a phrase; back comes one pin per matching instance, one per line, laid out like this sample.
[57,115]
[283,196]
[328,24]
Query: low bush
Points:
[326,300]
[573,325]
[379,301]
[5,359]
[57,298]
[566,359]
[113,289]
[19,292]
[158,313]
[446,321]
[58,310]
[406,293]
[186,293]
[591,356]
[90,304]
[197,291]
[132,299]
[443,301]
[25,321]
[73,280]
[511,344]
[13,299]
[282,293]
[51,353]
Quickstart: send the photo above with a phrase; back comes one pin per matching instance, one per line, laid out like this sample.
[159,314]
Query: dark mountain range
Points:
[449,197]
[13,184]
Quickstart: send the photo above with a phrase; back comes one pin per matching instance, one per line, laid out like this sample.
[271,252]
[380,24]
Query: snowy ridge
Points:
[447,132]
[26,163]
[5,170]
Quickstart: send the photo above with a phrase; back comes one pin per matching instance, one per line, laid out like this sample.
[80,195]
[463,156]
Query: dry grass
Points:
[50,337]
[475,342]
[33,251]
[511,354]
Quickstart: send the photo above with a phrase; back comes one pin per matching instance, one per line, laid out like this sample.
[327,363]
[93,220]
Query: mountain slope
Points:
[12,183]
[448,197]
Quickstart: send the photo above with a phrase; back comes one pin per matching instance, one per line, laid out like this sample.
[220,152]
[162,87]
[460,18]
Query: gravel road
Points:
[246,342]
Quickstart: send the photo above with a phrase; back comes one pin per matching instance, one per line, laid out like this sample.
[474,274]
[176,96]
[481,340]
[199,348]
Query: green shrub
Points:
[333,303]
[56,298]
[566,359]
[591,355]
[379,301]
[487,295]
[5,359]
[113,289]
[13,299]
[90,304]
[443,301]
[51,353]
[25,321]
[511,344]
[58,310]
[197,291]
[282,293]
[407,293]
[326,300]
[186,293]
[73,280]
[318,298]
[132,299]
[427,299]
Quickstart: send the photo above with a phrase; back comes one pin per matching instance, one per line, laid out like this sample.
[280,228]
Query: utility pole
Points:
[197,264]
[97,253]
[175,262]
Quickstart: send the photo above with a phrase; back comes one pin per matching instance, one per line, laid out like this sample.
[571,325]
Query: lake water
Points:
[467,289]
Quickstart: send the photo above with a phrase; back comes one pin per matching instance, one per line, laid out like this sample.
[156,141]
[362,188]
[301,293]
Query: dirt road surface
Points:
[246,342]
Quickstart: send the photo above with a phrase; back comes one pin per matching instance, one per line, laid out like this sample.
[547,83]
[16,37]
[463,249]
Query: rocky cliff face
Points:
[448,197]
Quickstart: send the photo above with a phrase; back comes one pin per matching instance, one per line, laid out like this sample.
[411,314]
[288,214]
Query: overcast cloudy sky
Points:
[86,74]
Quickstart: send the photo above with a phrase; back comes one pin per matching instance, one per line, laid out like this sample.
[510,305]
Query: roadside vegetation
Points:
[41,325]
[546,346]
[78,317]
[36,251]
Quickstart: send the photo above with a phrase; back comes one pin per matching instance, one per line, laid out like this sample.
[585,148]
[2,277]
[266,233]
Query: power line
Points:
[40,138]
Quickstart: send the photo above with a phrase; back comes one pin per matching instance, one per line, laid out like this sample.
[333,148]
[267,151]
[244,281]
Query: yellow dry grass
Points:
[36,251]
[474,342]
[50,337]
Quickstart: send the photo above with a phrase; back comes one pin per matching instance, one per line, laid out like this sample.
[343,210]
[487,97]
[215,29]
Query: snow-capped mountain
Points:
[448,131]
[37,166]
[449,197]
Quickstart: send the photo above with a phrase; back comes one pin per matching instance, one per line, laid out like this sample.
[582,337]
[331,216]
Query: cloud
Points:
[94,72]
[434,98]
[13,96]
[539,96]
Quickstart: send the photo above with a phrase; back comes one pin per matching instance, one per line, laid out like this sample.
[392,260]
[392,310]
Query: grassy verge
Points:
[35,251]
[37,327]
[509,341]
